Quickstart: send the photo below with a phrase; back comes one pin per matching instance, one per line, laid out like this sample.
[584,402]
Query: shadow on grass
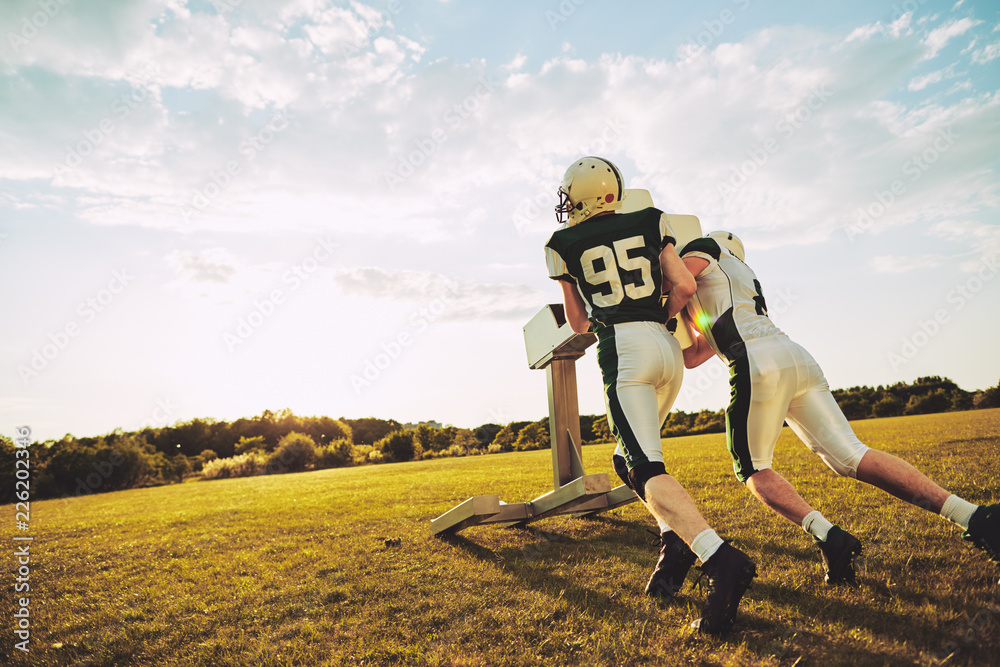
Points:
[535,567]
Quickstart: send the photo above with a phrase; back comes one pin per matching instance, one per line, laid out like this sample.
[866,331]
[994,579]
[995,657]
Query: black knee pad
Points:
[622,469]
[644,472]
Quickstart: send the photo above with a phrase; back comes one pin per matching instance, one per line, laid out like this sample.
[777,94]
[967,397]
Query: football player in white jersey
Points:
[774,380]
[611,267]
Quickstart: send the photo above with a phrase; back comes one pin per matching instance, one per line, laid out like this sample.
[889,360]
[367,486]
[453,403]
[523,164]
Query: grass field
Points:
[294,569]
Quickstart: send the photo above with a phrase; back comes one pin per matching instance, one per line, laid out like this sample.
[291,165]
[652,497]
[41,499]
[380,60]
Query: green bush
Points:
[507,436]
[243,465]
[399,446]
[533,436]
[254,444]
[938,401]
[337,454]
[295,452]
[888,406]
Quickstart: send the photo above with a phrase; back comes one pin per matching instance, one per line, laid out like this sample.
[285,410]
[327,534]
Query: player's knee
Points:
[642,473]
[744,472]
[846,466]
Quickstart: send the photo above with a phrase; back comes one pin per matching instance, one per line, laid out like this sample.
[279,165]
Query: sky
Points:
[214,208]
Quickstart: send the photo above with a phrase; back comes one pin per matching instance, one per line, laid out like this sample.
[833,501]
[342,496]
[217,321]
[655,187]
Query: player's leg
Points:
[777,493]
[819,423]
[729,571]
[632,358]
[898,478]
[675,559]
[774,368]
[818,420]
[762,384]
[980,523]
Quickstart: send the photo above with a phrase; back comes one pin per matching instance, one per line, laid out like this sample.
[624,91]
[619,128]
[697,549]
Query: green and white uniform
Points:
[614,262]
[772,378]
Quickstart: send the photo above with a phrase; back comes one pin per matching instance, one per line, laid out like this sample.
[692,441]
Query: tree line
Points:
[281,442]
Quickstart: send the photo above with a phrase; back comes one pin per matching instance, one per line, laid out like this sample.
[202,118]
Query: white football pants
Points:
[642,366]
[778,381]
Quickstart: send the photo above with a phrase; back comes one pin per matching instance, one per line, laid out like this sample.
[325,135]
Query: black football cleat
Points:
[676,558]
[839,551]
[729,572]
[984,531]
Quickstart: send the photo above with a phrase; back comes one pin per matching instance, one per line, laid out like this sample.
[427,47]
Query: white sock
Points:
[664,528]
[958,511]
[816,525]
[706,544]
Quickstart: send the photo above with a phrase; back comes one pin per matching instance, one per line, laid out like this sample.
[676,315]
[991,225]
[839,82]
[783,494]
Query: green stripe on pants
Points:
[607,360]
[738,417]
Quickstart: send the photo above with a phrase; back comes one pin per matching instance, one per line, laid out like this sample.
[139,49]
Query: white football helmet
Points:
[591,185]
[730,242]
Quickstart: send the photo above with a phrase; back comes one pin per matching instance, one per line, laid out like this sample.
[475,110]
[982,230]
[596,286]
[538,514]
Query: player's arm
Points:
[695,265]
[576,309]
[699,352]
[682,283]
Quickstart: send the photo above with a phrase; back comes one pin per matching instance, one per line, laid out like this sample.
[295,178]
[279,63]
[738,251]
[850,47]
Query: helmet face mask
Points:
[565,207]
[730,242]
[591,185]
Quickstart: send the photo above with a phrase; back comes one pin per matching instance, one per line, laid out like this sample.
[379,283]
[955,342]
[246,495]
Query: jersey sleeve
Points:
[704,248]
[558,270]
[666,233]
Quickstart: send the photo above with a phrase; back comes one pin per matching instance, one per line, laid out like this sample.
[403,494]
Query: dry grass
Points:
[294,569]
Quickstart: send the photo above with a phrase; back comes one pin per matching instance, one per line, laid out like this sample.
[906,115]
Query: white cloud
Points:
[983,238]
[214,265]
[898,27]
[446,298]
[895,264]
[921,82]
[986,54]
[412,151]
[938,38]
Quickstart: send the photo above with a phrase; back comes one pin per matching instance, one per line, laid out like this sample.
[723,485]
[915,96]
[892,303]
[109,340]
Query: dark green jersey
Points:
[614,261]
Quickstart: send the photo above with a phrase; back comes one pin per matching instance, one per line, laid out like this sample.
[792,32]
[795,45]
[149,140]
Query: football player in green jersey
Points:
[774,380]
[611,267]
